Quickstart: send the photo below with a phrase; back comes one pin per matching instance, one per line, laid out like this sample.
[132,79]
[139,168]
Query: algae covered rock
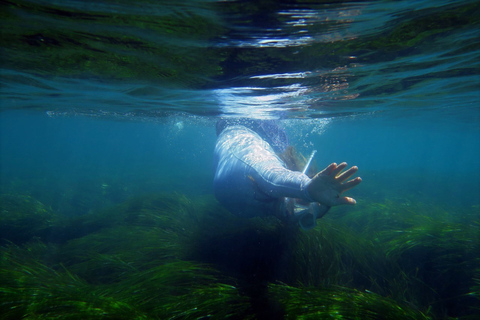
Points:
[22,217]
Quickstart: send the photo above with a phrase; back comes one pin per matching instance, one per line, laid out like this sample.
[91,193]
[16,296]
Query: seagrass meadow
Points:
[169,256]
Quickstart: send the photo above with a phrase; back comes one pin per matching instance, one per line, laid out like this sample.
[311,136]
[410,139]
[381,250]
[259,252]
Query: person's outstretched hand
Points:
[327,185]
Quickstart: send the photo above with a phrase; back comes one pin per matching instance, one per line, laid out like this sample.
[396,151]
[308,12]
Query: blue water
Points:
[405,156]
[49,157]
[113,100]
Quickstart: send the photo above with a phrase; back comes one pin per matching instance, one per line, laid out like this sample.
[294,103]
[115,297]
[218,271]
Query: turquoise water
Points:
[110,101]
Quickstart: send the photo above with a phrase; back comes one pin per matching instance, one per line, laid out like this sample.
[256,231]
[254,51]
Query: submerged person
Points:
[252,177]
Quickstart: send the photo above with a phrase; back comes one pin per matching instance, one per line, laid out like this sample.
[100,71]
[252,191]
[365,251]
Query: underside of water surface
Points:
[239,58]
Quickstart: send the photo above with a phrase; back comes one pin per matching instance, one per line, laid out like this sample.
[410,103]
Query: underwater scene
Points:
[109,121]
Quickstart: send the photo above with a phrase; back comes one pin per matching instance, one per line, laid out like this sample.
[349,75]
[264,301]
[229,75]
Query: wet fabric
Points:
[250,178]
[269,130]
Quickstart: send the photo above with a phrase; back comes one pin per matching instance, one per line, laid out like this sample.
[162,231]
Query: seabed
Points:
[168,256]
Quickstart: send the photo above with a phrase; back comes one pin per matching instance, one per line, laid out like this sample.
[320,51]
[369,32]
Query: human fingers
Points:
[339,168]
[350,184]
[347,174]
[328,170]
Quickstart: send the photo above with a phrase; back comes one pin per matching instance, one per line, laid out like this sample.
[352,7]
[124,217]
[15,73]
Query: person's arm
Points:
[243,155]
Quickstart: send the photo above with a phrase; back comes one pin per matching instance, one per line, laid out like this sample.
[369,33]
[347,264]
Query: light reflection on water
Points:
[235,58]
